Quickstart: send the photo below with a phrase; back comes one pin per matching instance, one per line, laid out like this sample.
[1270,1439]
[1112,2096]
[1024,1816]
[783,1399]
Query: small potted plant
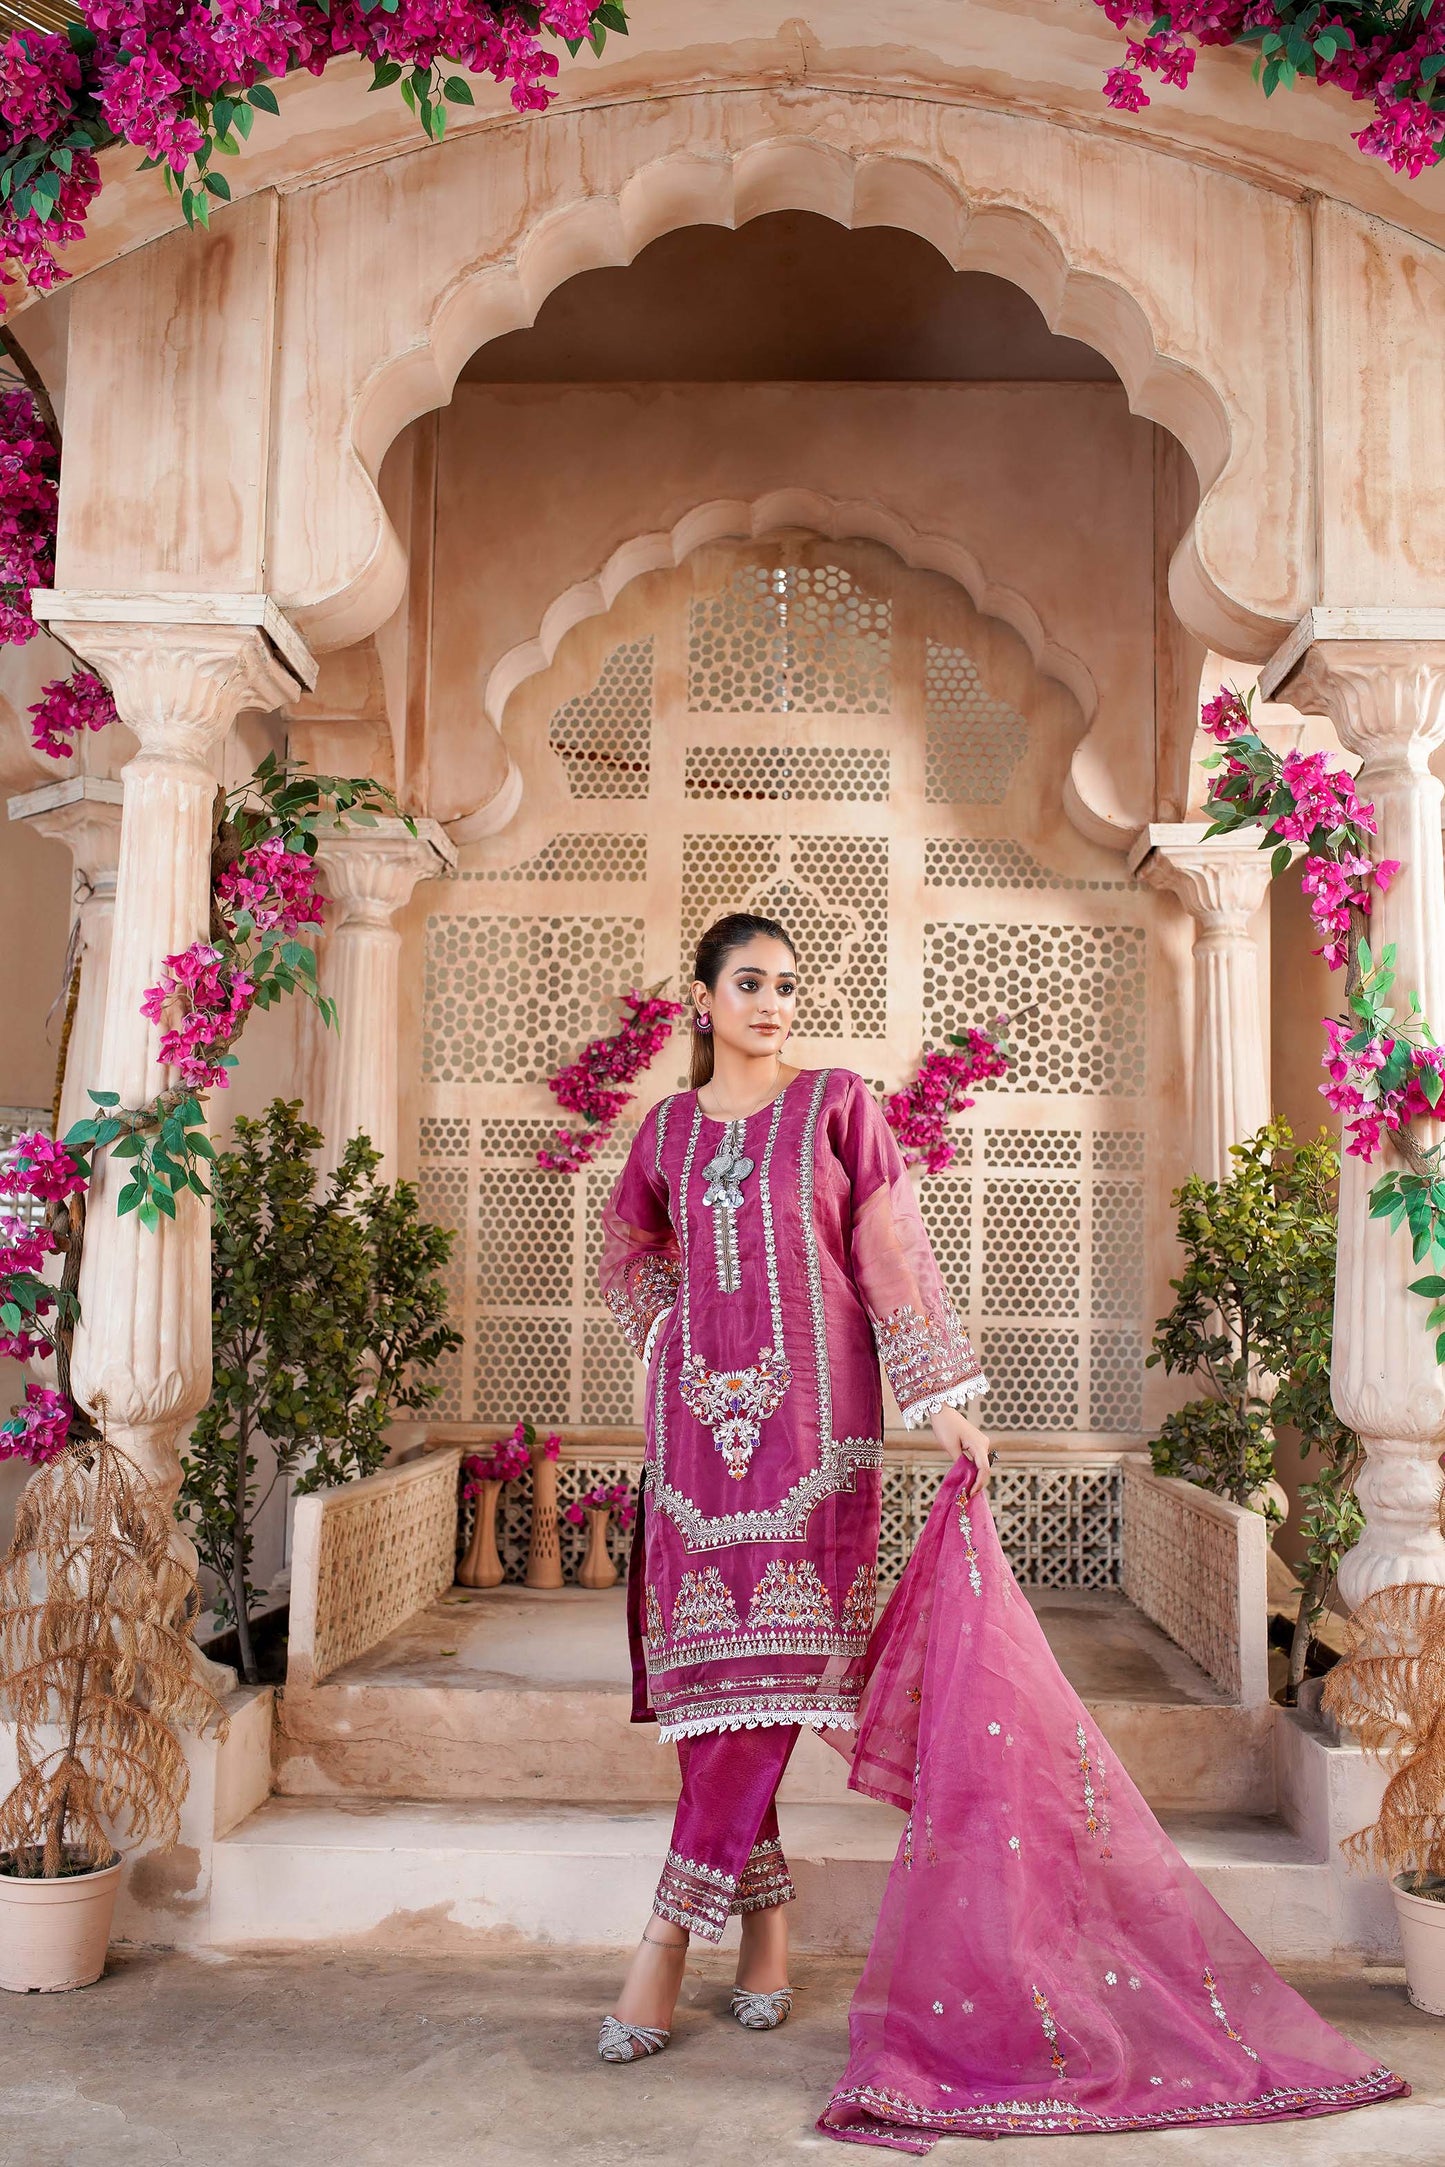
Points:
[595,1509]
[483,1474]
[96,1671]
[1389,1690]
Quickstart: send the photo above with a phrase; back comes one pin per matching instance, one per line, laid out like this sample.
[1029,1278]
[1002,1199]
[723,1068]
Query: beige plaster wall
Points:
[1048,487]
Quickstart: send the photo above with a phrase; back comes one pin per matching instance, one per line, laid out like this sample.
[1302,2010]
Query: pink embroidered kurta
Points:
[761,1268]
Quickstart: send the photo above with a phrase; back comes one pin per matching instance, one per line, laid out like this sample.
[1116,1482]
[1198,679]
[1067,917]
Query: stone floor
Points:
[388,2062]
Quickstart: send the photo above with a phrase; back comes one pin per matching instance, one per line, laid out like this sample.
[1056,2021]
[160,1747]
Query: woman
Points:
[762,1248]
[1044,1960]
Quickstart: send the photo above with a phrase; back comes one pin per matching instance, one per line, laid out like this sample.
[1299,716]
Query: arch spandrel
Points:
[1192,282]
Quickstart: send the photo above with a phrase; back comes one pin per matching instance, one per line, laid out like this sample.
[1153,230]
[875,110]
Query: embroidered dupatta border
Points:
[894,2114]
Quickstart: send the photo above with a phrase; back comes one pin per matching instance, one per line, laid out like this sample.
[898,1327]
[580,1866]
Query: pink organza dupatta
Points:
[1044,1960]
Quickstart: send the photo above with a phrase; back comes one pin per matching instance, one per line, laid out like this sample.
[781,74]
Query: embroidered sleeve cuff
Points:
[645,1292]
[957,1395]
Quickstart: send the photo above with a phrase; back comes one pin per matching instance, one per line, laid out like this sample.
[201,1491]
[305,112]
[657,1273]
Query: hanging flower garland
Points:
[1384,1071]
[919,1114]
[183,80]
[590,1085]
[1389,54]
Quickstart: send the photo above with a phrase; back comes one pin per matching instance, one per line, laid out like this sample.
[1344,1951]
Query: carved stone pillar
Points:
[1222,884]
[370,874]
[181,669]
[83,811]
[1380,677]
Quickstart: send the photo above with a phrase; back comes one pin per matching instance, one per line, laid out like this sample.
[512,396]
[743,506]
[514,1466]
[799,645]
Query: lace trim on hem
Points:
[815,1719]
[895,2112]
[957,1395]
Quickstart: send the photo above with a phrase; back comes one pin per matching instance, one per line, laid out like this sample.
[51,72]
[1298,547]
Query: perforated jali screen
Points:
[815,731]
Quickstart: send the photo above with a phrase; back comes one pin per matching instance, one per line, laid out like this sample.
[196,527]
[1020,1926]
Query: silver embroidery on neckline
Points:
[839,1458]
[724,1175]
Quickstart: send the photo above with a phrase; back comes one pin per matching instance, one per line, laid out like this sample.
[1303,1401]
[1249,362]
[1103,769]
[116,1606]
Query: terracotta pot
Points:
[1422,1930]
[597,1569]
[54,1934]
[482,1566]
[544,1550]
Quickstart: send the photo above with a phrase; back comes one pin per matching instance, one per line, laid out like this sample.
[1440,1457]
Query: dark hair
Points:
[717,944]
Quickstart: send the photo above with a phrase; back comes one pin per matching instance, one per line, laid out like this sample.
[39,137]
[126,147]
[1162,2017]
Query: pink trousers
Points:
[726,1854]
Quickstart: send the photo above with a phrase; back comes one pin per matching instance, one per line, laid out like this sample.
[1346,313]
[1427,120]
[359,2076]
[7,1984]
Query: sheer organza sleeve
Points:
[926,1354]
[641,1263]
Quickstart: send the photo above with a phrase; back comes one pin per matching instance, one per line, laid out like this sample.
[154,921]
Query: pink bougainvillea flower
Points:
[276,886]
[1124,89]
[918,1115]
[66,709]
[40,1167]
[23,1248]
[201,1002]
[592,1085]
[38,1431]
[504,1463]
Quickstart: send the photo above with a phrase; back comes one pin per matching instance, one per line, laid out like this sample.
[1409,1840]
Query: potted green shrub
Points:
[1389,1690]
[96,1673]
[1252,1322]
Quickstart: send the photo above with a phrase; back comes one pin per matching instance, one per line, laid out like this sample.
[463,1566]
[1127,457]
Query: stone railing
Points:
[1059,1512]
[365,1558]
[1196,1565]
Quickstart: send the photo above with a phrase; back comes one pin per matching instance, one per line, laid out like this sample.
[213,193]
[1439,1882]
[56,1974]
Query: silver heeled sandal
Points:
[762,2012]
[619,2042]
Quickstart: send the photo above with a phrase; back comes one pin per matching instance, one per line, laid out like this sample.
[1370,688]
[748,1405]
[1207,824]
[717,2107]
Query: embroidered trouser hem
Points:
[726,1855]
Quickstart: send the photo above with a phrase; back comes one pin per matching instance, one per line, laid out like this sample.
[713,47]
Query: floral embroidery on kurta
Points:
[704,1606]
[789,1597]
[860,1603]
[764,1403]
[735,1403]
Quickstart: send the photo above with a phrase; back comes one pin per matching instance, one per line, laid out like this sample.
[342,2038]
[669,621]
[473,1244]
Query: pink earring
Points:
[702,1021]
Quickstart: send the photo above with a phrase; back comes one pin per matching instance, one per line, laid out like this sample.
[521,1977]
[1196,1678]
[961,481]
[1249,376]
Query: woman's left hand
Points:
[957,1435]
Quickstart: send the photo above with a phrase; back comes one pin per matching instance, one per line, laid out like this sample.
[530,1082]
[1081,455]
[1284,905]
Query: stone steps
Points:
[428,1876]
[509,1743]
[520,1697]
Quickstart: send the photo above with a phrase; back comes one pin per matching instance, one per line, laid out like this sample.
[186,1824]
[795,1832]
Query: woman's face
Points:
[755,999]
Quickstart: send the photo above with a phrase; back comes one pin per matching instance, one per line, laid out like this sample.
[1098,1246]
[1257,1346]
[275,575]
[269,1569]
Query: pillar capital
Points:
[82,811]
[1379,674]
[182,667]
[1221,880]
[372,871]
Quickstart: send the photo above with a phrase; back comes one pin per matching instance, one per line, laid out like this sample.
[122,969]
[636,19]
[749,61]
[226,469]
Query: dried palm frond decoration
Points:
[1389,1690]
[96,1666]
[34,15]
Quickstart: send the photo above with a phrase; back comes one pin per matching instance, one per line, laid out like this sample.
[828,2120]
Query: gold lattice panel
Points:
[808,730]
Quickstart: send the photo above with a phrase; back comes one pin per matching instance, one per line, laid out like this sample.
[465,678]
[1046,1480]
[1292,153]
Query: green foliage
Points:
[328,1308]
[1254,1321]
[166,1143]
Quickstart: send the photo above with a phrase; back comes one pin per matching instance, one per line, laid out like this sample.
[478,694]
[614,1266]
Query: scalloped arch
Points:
[836,519]
[409,371]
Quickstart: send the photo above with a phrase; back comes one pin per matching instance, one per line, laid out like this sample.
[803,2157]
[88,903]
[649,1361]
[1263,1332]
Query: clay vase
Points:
[544,1550]
[597,1569]
[482,1566]
[54,1934]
